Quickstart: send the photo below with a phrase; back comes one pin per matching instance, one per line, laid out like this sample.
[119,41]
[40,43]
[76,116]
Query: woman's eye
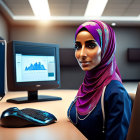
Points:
[91,45]
[77,47]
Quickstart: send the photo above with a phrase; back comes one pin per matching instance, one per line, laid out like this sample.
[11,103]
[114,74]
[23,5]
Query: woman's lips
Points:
[84,63]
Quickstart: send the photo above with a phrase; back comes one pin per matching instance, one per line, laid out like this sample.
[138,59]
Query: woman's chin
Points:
[85,68]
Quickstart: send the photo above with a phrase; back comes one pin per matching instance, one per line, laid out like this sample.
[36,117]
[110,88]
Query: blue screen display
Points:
[35,68]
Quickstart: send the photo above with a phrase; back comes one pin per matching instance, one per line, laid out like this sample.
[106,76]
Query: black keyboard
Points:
[37,114]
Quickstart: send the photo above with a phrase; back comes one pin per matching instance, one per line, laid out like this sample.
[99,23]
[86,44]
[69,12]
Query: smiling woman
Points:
[87,51]
[95,47]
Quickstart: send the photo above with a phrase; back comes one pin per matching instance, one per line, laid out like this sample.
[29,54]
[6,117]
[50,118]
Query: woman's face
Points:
[87,51]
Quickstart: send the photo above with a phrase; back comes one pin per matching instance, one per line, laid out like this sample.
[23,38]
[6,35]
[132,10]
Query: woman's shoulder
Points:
[115,88]
[117,96]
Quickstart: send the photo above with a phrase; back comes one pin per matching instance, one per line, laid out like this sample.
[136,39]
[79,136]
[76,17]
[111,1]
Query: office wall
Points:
[71,77]
[127,37]
[62,35]
[3,27]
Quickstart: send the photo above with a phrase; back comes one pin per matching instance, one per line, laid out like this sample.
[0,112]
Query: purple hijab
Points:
[96,79]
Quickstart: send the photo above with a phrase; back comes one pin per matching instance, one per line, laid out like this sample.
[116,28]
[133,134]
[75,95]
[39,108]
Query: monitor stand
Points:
[33,97]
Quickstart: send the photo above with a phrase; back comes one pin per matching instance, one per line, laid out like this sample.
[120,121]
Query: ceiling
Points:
[123,12]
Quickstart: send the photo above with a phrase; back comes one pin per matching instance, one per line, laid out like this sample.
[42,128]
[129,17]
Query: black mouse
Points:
[13,117]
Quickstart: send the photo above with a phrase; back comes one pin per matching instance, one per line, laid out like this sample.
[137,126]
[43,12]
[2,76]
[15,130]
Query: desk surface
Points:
[63,129]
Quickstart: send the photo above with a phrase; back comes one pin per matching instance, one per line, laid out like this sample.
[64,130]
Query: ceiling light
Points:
[113,24]
[95,8]
[40,8]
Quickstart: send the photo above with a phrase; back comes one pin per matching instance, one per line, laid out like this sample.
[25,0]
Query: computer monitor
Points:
[32,67]
[2,68]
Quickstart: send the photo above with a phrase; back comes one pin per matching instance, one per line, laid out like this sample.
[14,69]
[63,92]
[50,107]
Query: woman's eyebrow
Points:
[77,42]
[90,41]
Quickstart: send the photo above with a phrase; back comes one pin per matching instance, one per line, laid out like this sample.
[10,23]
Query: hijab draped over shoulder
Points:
[96,79]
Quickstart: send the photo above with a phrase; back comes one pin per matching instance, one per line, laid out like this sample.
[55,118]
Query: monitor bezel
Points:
[35,85]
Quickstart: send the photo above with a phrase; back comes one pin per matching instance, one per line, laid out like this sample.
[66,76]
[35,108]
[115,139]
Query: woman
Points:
[95,46]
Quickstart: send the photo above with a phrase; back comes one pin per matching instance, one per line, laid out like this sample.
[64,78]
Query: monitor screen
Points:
[35,68]
[31,67]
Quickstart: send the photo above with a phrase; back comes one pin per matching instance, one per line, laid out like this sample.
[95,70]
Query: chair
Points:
[132,96]
[134,127]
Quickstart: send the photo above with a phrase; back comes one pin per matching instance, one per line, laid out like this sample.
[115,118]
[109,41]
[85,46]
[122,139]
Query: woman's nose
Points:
[83,52]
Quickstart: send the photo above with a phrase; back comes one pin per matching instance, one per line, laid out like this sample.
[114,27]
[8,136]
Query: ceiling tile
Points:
[59,7]
[78,7]
[122,8]
[19,7]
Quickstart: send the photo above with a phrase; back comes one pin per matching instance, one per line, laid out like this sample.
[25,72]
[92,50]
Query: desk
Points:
[63,129]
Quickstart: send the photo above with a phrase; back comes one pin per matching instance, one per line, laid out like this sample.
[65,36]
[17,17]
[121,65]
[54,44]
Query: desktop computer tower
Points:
[2,67]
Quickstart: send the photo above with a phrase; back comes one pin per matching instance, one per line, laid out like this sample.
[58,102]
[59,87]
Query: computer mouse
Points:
[13,117]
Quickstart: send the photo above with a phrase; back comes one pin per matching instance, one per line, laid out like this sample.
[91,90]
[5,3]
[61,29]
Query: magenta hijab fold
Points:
[96,79]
